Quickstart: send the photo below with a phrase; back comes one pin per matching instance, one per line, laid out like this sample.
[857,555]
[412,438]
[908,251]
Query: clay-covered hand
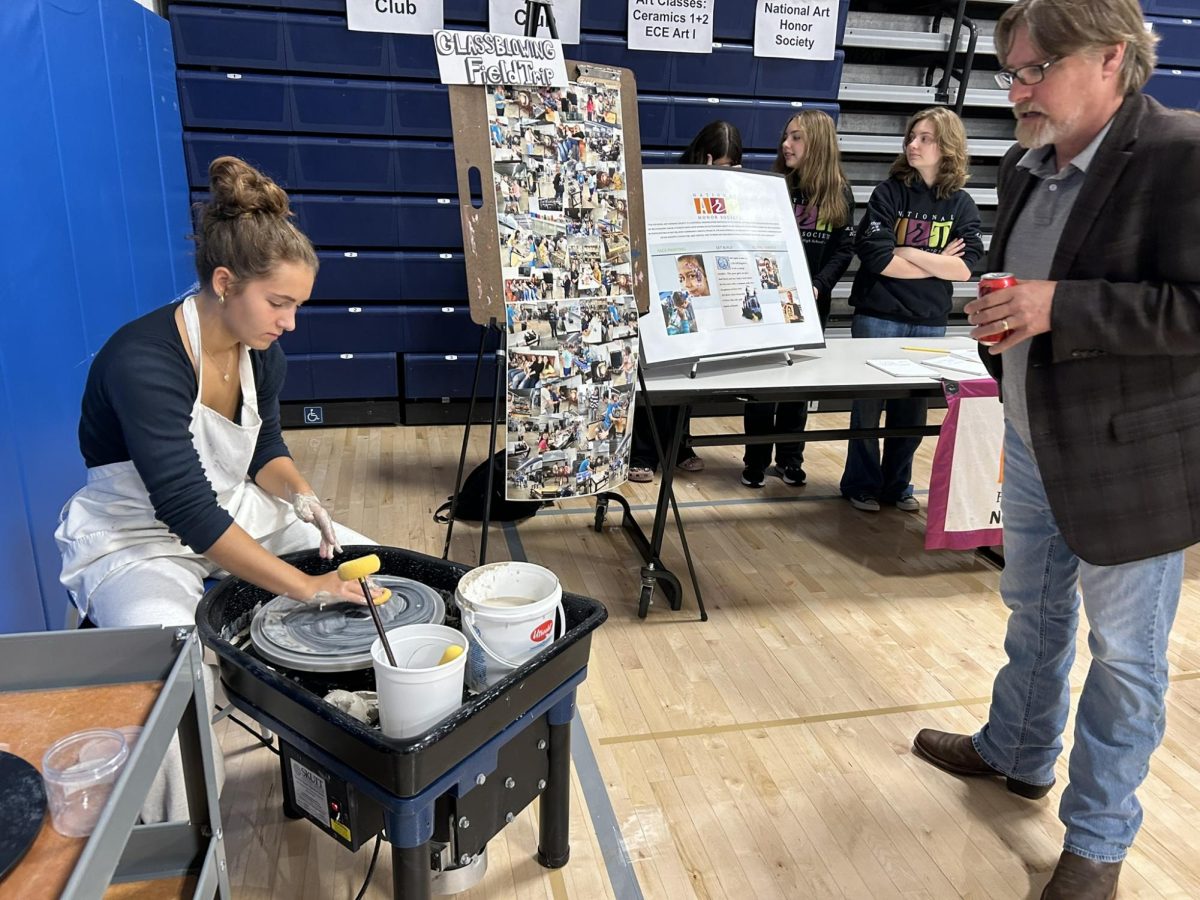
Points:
[309,509]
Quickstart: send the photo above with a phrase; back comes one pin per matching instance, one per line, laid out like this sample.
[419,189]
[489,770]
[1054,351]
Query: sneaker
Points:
[793,475]
[640,474]
[908,504]
[753,478]
[692,464]
[863,502]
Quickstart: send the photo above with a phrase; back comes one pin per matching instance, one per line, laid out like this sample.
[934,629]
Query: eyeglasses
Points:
[1027,75]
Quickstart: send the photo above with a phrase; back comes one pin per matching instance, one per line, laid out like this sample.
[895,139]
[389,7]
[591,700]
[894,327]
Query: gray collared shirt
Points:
[1031,248]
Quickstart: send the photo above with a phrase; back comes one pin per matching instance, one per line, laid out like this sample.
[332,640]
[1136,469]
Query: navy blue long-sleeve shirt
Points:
[901,215]
[137,406]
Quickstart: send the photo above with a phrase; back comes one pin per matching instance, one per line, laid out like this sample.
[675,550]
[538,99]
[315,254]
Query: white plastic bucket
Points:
[417,693]
[508,611]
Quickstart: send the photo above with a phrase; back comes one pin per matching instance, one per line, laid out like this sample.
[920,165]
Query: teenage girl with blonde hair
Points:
[919,235]
[824,207]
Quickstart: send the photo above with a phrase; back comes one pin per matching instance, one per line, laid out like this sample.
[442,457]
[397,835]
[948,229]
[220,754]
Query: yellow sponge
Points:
[452,652]
[382,598]
[358,568]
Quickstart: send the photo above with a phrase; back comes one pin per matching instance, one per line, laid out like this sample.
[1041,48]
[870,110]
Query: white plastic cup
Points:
[417,693]
[79,771]
[508,611]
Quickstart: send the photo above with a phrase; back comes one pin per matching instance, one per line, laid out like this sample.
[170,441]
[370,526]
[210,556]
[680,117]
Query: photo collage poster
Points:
[571,322]
[727,270]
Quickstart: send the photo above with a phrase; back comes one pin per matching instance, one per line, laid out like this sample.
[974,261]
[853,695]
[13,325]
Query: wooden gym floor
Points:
[764,753]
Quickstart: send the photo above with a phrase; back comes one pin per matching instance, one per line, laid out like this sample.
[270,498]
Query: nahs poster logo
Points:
[711,206]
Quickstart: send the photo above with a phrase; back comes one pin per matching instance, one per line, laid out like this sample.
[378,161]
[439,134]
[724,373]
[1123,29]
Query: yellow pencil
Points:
[927,349]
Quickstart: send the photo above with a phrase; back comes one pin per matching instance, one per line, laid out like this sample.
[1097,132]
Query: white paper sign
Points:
[480,58]
[508,17]
[394,16]
[677,26]
[796,29]
[727,270]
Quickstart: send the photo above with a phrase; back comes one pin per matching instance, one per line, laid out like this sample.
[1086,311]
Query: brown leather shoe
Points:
[1076,878]
[954,753]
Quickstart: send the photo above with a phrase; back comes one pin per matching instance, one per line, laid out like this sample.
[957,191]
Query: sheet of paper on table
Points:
[902,368]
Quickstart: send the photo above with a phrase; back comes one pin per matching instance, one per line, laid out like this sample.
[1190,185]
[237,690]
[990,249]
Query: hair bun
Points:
[238,189]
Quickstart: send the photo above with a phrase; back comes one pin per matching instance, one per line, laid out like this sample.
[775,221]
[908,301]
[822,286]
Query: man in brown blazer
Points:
[1099,220]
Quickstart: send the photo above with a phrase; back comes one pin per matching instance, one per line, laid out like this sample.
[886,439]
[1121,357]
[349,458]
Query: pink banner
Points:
[968,470]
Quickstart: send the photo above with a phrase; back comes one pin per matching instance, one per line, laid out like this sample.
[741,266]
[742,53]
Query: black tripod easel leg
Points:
[536,12]
[462,456]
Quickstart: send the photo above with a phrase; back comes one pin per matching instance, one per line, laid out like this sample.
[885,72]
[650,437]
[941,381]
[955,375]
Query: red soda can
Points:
[995,281]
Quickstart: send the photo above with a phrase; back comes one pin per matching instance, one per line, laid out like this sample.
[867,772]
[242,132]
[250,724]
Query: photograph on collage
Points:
[571,323]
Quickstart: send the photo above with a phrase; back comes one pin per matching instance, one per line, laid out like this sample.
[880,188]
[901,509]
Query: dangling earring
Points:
[221,298]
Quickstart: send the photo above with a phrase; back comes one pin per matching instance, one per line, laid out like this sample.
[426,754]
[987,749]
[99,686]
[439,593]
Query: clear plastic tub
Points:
[80,771]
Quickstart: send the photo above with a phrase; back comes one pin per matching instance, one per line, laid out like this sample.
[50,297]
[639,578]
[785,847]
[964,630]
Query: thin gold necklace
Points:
[225,371]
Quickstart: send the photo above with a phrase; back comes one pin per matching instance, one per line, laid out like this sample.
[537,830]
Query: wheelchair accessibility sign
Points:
[314,415]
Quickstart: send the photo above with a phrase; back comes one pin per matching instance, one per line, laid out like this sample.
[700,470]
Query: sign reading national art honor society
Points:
[796,29]
[677,26]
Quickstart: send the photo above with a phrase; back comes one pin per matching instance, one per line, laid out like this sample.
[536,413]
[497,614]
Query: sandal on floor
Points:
[640,474]
[691,464]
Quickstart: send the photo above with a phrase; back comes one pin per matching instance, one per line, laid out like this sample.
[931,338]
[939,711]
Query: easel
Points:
[487,303]
[537,13]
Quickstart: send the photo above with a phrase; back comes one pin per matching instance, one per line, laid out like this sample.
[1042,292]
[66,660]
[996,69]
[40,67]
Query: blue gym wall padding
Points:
[95,235]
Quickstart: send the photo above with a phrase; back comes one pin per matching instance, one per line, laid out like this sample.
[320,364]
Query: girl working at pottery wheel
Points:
[188,474]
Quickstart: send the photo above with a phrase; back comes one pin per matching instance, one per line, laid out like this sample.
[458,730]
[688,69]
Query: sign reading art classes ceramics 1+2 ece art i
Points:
[676,26]
[795,29]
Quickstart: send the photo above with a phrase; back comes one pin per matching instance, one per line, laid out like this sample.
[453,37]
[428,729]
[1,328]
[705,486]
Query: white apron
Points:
[110,523]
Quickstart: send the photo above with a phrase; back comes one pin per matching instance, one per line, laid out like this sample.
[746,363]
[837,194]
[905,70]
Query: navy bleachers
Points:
[1176,87]
[431,376]
[1184,9]
[790,79]
[354,376]
[363,329]
[341,106]
[443,329]
[234,38]
[298,384]
[324,44]
[652,70]
[235,101]
[729,69]
[1179,41]
[272,154]
[357,128]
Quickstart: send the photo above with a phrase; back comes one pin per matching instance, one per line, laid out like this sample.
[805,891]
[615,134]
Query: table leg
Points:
[411,875]
[554,844]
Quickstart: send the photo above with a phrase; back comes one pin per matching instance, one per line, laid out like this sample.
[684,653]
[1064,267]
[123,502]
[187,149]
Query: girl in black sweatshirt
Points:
[919,235]
[824,207]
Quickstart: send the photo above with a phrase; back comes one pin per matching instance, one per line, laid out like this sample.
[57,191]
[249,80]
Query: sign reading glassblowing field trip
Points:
[482,58]
[559,173]
[727,269]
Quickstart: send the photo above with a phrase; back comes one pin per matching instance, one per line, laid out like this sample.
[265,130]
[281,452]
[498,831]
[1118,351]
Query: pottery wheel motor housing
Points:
[438,797]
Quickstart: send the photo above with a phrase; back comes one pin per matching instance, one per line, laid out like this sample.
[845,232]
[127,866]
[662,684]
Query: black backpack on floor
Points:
[471,497]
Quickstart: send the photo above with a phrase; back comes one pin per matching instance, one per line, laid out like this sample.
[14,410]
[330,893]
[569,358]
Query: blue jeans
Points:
[1121,713]
[866,475]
